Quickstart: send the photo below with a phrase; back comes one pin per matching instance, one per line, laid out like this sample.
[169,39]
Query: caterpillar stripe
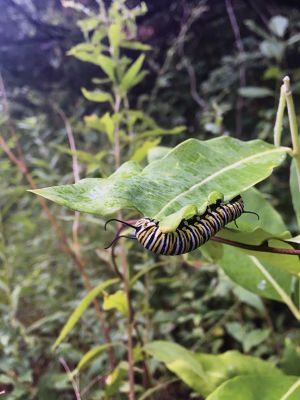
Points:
[191,233]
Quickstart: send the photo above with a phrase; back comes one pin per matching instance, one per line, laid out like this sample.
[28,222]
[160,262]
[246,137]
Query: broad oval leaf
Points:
[205,372]
[80,309]
[186,175]
[253,387]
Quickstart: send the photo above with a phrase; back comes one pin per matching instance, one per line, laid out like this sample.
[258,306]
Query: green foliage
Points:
[206,372]
[131,125]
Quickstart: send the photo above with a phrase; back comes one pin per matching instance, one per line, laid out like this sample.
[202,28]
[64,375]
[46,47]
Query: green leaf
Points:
[97,95]
[116,300]
[247,339]
[88,24]
[273,72]
[107,64]
[205,372]
[180,361]
[161,131]
[295,190]
[92,354]
[278,25]
[222,367]
[253,387]
[269,229]
[242,269]
[135,45]
[109,126]
[128,79]
[115,379]
[253,92]
[114,36]
[186,175]
[143,150]
[272,49]
[80,309]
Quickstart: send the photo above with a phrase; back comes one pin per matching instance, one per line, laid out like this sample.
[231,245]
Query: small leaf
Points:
[143,150]
[116,300]
[88,24]
[254,338]
[293,39]
[97,96]
[114,36]
[278,25]
[80,309]
[135,45]
[109,125]
[255,92]
[115,379]
[272,49]
[131,74]
[161,131]
[273,73]
[107,64]
[91,354]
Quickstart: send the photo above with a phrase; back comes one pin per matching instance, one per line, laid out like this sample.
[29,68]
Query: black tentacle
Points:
[252,212]
[119,237]
[119,220]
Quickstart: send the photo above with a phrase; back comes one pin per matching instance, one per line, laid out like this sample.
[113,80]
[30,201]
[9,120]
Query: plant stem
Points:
[295,386]
[279,117]
[71,378]
[285,297]
[124,263]
[293,124]
[265,249]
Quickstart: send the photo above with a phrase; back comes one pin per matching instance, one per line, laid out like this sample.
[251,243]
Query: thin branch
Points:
[293,124]
[76,174]
[265,249]
[242,70]
[71,378]
[291,390]
[279,117]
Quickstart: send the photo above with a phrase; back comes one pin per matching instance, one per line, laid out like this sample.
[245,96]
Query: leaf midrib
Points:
[219,172]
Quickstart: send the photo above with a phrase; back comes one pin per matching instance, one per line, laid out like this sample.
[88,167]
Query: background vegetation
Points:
[210,68]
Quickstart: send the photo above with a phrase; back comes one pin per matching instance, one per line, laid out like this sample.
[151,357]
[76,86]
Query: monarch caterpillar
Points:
[190,234]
